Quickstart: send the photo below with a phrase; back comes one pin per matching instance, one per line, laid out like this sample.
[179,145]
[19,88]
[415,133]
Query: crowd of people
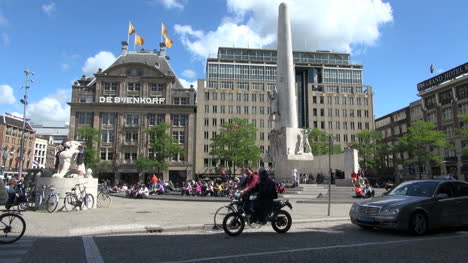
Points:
[362,186]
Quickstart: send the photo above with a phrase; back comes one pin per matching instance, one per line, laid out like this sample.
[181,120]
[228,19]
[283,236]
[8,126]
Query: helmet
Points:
[263,172]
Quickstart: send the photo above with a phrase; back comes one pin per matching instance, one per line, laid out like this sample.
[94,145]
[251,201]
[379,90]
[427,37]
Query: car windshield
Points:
[423,189]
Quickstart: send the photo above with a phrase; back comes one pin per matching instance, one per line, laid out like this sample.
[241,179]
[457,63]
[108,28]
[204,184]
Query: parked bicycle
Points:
[103,199]
[78,198]
[53,199]
[12,227]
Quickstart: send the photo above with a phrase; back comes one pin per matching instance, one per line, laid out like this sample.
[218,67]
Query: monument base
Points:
[284,167]
[63,185]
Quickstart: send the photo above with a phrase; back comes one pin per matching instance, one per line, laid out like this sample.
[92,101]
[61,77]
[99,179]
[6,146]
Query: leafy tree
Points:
[318,141]
[421,137]
[236,143]
[90,136]
[463,131]
[164,147]
[370,147]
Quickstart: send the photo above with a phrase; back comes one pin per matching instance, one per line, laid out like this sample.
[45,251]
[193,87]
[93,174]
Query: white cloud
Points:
[186,84]
[6,94]
[168,4]
[337,25]
[49,9]
[5,39]
[65,66]
[203,45]
[188,73]
[51,108]
[101,60]
[3,20]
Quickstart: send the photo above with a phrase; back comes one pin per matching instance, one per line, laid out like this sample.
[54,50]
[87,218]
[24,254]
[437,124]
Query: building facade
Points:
[40,152]
[240,82]
[139,90]
[10,143]
[443,99]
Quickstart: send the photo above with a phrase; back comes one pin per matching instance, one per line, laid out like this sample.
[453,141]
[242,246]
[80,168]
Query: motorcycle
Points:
[18,198]
[234,222]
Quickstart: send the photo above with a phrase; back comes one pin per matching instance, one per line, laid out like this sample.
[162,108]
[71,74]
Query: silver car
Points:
[415,206]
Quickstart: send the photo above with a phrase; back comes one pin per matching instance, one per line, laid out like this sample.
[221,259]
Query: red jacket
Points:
[252,181]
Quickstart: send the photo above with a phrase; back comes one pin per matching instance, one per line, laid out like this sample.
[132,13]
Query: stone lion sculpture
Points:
[67,161]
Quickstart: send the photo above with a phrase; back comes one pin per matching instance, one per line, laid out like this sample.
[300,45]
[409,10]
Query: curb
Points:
[142,229]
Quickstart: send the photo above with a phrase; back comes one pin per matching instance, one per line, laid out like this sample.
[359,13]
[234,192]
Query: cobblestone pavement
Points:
[133,215]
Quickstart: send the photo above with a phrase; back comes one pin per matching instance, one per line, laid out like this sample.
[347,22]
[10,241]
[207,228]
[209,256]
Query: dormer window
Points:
[157,87]
[133,86]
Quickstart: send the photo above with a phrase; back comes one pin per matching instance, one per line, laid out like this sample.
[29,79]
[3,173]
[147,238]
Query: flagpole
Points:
[161,32]
[134,40]
[128,33]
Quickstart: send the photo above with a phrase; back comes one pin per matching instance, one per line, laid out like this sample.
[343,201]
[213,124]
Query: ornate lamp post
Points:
[24,101]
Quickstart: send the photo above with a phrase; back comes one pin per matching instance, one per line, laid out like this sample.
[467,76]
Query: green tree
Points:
[319,144]
[370,147]
[463,131]
[236,143]
[90,138]
[421,139]
[164,146]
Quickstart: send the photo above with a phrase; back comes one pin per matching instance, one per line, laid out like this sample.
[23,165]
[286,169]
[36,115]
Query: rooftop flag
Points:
[164,33]
[131,29]
[139,40]
[432,68]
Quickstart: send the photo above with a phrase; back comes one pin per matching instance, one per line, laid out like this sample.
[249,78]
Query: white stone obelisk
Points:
[289,146]
[285,81]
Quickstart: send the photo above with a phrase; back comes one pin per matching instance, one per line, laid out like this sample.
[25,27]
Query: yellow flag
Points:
[164,33]
[139,40]
[131,29]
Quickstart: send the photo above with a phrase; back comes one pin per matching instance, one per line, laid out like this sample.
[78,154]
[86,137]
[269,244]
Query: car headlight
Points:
[390,211]
[354,208]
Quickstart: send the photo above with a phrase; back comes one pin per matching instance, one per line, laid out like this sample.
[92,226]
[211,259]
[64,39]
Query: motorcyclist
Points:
[266,192]
[247,186]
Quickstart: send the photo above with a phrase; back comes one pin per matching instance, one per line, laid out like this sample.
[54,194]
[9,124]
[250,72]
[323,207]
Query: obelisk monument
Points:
[289,145]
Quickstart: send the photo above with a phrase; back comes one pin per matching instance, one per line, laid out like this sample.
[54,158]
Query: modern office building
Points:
[139,90]
[56,130]
[239,84]
[10,142]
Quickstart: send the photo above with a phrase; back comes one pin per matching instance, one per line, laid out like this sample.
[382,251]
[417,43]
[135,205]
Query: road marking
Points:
[317,248]
[91,251]
[14,252]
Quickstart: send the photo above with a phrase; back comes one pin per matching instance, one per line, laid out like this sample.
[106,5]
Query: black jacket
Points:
[266,189]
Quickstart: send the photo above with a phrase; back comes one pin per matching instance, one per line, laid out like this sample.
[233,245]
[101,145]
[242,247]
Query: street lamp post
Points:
[24,101]
[330,149]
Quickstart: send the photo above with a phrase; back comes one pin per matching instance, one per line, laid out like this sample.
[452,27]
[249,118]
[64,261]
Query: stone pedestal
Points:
[289,149]
[63,185]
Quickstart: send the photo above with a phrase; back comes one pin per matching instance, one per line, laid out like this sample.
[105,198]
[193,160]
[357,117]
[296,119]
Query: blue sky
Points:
[60,40]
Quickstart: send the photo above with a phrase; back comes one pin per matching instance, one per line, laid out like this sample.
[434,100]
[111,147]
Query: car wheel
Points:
[418,224]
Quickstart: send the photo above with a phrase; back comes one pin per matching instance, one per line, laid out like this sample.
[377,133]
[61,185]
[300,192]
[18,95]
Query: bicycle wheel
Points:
[220,214]
[89,201]
[103,200]
[12,227]
[69,202]
[52,203]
